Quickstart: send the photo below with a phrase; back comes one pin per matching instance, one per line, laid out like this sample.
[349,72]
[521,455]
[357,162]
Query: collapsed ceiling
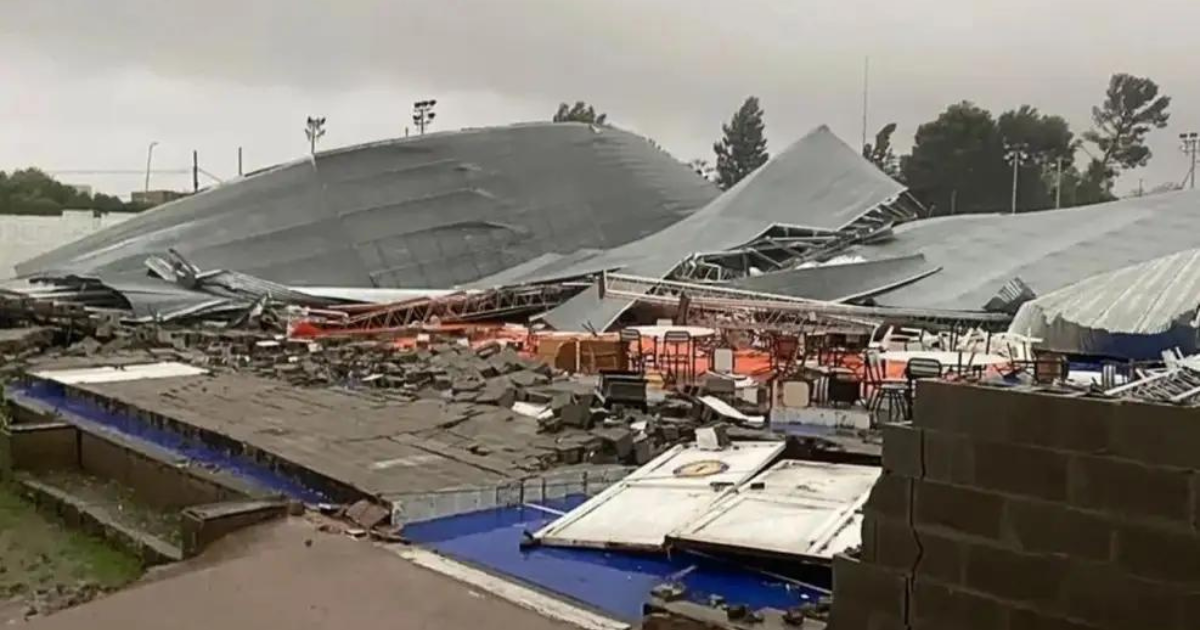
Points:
[1135,312]
[818,185]
[980,254]
[433,211]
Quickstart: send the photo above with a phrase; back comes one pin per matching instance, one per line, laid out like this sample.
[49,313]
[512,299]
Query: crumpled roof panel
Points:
[1135,312]
[840,282]
[1047,250]
[818,182]
[436,211]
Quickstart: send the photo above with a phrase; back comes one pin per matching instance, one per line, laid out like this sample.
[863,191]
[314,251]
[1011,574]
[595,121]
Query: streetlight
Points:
[1016,155]
[1191,140]
[423,114]
[314,129]
[149,158]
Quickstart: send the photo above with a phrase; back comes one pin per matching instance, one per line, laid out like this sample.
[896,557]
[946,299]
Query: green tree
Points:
[957,162]
[881,154]
[1047,143]
[1132,108]
[579,112]
[32,191]
[743,148]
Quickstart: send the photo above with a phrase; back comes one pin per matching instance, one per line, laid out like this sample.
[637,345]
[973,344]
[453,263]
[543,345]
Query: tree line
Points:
[33,192]
[963,160]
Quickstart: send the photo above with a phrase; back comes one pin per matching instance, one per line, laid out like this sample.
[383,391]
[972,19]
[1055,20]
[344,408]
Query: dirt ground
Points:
[45,567]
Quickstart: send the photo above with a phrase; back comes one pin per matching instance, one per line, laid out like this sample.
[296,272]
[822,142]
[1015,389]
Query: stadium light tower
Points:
[1191,142]
[423,114]
[314,129]
[1016,155]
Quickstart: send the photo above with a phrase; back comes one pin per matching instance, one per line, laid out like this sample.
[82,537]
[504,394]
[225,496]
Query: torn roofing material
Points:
[1132,313]
[818,182]
[1048,250]
[434,211]
[841,282]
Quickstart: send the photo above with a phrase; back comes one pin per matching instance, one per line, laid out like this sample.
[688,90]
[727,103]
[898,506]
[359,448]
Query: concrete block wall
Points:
[1011,510]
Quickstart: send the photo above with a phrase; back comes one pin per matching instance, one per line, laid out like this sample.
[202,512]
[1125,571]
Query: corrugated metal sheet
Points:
[658,498]
[819,182]
[433,211]
[1135,312]
[796,508]
[841,282]
[1047,250]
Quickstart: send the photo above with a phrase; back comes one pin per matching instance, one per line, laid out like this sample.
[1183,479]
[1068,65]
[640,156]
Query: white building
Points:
[23,237]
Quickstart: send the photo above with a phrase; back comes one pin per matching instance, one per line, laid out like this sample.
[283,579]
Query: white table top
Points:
[658,332]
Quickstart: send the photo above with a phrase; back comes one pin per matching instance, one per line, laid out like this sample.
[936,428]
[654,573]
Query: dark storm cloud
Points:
[673,69]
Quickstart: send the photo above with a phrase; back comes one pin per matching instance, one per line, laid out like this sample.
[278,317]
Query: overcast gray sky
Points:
[87,84]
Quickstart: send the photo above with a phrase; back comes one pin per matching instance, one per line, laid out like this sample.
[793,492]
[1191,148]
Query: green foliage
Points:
[32,192]
[744,145]
[957,162]
[1046,141]
[959,165]
[881,154]
[1132,108]
[580,112]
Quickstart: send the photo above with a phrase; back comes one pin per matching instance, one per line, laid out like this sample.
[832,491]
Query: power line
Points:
[166,171]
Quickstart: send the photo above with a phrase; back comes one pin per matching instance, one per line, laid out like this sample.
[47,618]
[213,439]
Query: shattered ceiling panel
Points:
[432,211]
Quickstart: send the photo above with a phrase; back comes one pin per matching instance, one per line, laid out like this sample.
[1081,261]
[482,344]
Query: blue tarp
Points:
[71,409]
[614,583]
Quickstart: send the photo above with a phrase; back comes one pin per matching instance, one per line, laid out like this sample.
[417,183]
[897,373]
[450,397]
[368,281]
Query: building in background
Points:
[24,236]
[151,198]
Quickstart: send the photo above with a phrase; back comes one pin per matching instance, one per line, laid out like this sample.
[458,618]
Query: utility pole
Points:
[149,158]
[866,92]
[1058,185]
[314,129]
[1191,141]
[239,161]
[1016,156]
[423,114]
[195,171]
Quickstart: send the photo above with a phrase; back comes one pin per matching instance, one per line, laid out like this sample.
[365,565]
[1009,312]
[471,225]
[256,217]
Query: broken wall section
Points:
[1007,510]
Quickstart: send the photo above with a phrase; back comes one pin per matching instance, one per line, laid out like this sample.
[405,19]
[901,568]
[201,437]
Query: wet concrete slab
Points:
[288,575]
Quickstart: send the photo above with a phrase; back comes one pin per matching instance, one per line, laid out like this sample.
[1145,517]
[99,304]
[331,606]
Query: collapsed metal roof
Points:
[1136,312]
[818,183]
[1048,250]
[433,211]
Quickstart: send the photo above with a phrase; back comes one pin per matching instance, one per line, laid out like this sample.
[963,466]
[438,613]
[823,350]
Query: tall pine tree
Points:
[743,148]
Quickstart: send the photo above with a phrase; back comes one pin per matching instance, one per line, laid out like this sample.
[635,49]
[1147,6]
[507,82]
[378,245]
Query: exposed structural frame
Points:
[784,247]
[728,308]
[1178,385]
[465,306]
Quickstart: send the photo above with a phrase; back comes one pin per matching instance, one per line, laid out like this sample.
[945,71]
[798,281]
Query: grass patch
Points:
[39,553]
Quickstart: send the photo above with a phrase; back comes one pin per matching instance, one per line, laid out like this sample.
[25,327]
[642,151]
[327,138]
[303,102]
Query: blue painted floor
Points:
[53,396]
[614,583]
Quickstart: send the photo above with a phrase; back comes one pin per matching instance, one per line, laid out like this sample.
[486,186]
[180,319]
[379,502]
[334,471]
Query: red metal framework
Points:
[461,307]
